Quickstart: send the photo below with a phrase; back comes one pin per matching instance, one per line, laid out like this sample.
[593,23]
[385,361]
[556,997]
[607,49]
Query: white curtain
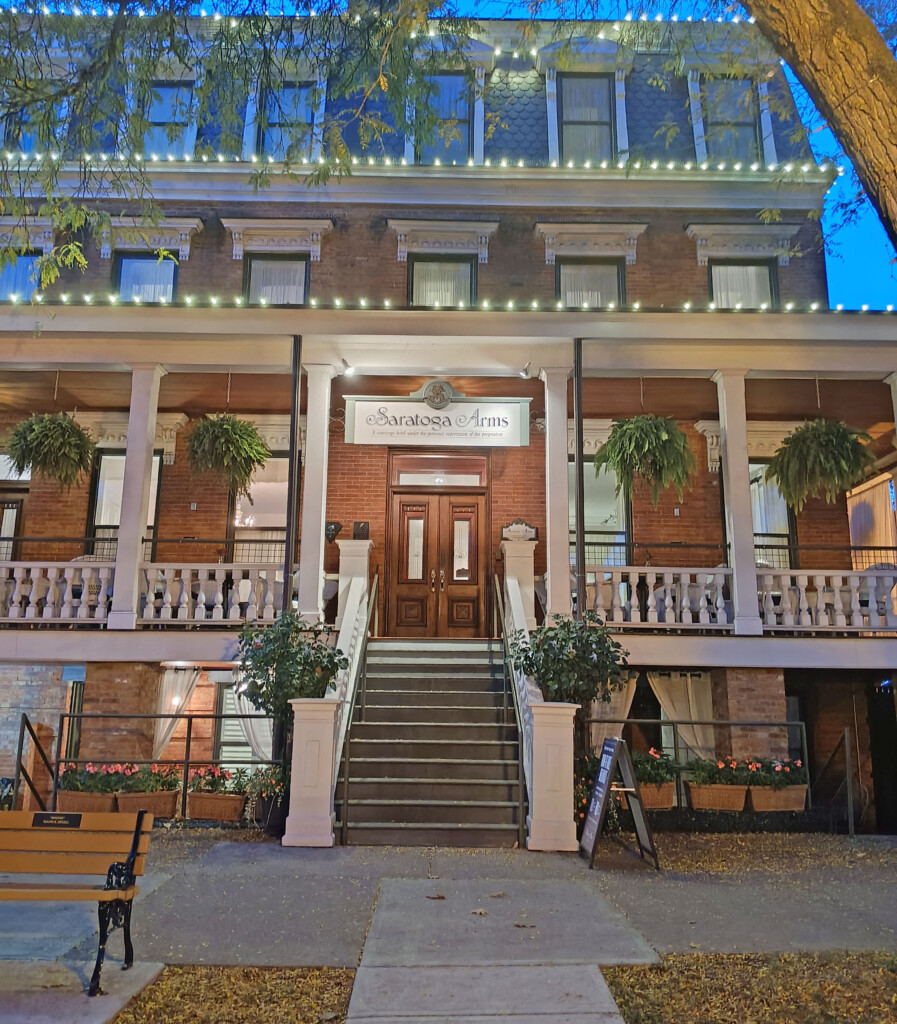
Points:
[280,282]
[617,707]
[872,522]
[444,283]
[747,284]
[258,732]
[686,696]
[589,284]
[149,280]
[178,685]
[768,508]
[19,278]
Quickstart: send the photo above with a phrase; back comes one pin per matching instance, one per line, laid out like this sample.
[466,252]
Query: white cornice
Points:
[110,430]
[598,240]
[275,429]
[169,233]
[443,236]
[743,241]
[35,233]
[764,438]
[595,433]
[582,54]
[277,235]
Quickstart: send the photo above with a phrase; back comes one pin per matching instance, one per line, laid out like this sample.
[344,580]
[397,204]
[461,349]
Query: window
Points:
[606,516]
[442,282]
[19,132]
[20,279]
[277,281]
[585,113]
[582,283]
[105,513]
[773,526]
[260,522]
[749,285]
[450,108]
[731,122]
[146,277]
[169,116]
[285,129]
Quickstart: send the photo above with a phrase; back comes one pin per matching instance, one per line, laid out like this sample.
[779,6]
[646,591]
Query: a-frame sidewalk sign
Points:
[615,760]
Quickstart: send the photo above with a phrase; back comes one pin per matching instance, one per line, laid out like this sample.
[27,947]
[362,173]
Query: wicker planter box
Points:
[716,797]
[791,798]
[162,804]
[84,803]
[215,806]
[657,796]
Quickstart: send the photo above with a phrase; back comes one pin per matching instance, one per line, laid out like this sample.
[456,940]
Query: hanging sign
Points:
[438,415]
[615,760]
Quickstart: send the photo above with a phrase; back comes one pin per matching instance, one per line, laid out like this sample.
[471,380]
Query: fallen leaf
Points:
[497,895]
[480,913]
[521,924]
[439,897]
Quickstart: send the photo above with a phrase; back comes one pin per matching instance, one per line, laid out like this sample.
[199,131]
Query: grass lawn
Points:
[243,995]
[827,988]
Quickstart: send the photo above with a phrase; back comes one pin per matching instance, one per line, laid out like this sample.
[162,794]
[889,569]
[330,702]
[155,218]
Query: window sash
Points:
[278,282]
[453,109]
[745,284]
[588,284]
[146,278]
[172,108]
[289,120]
[109,490]
[441,282]
[731,120]
[586,125]
[20,278]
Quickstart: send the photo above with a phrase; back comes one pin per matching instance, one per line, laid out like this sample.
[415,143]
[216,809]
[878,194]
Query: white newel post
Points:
[737,490]
[519,558]
[354,562]
[135,495]
[310,821]
[310,597]
[550,825]
[557,501]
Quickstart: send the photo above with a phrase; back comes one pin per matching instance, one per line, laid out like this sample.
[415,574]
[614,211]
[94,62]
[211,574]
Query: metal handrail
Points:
[21,771]
[515,697]
[361,688]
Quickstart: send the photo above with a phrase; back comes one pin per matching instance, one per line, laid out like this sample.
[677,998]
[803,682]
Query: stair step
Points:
[375,833]
[445,749]
[433,683]
[417,648]
[442,663]
[432,812]
[447,714]
[388,788]
[384,697]
[455,732]
[455,769]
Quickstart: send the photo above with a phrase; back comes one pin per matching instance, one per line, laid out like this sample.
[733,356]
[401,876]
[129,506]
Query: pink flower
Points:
[719,764]
[797,764]
[779,768]
[89,768]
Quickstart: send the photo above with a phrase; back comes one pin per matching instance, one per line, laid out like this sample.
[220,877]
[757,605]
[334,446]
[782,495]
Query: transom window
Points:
[731,120]
[442,282]
[589,283]
[19,280]
[288,119]
[585,112]
[744,285]
[169,116]
[277,281]
[146,278]
[451,107]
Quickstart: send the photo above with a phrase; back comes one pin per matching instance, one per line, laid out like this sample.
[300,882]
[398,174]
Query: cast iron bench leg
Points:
[103,912]
[129,949]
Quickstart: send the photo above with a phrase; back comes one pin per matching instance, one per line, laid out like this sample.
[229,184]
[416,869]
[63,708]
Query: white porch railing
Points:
[72,592]
[178,593]
[835,600]
[671,597]
[350,642]
[528,692]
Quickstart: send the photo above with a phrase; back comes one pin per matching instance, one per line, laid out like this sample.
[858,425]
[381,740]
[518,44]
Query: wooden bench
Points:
[50,843]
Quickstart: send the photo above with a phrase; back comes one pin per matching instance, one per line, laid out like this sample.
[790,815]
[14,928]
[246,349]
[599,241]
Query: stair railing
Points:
[515,683]
[21,773]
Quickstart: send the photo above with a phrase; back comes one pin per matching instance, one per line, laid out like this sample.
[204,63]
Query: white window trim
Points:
[443,237]
[278,235]
[764,438]
[743,241]
[110,430]
[766,132]
[127,233]
[34,233]
[697,115]
[601,241]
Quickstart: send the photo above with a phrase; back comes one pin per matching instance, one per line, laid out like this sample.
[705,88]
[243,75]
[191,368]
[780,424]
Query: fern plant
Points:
[230,448]
[52,444]
[821,458]
[652,447]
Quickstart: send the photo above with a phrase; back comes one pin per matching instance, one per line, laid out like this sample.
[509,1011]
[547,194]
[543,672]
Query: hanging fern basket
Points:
[51,444]
[230,448]
[819,459]
[651,447]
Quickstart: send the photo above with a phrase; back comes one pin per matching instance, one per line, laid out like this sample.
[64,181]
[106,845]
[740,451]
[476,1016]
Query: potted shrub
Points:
[216,794]
[656,774]
[717,785]
[51,444]
[652,447]
[88,788]
[778,785]
[822,458]
[149,787]
[266,802]
[230,448]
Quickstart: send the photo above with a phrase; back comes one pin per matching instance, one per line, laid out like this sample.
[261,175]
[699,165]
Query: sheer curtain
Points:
[149,280]
[617,707]
[872,523]
[589,284]
[258,732]
[280,282]
[686,696]
[444,283]
[19,278]
[178,685]
[747,284]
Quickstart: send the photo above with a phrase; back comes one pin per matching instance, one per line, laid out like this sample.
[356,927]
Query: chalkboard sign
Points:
[615,760]
[55,819]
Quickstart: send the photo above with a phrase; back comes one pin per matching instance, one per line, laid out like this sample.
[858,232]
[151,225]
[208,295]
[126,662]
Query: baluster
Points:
[635,614]
[168,576]
[889,607]
[685,615]
[185,587]
[105,574]
[669,608]
[51,603]
[87,575]
[20,573]
[236,592]
[218,597]
[819,612]
[719,583]
[856,614]
[269,612]
[67,609]
[872,593]
[839,619]
[37,590]
[769,605]
[703,579]
[5,591]
[150,578]
[651,580]
[804,618]
[199,608]
[616,601]
[599,595]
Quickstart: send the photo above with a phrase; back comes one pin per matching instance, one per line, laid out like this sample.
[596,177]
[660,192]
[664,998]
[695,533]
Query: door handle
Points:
[442,579]
[432,581]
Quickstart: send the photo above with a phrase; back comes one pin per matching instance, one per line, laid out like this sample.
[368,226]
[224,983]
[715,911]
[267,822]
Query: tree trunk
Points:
[847,69]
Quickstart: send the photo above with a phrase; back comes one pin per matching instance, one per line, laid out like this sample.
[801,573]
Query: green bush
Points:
[654,767]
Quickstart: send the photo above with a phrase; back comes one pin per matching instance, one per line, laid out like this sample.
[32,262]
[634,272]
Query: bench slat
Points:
[116,844]
[112,821]
[68,893]
[63,863]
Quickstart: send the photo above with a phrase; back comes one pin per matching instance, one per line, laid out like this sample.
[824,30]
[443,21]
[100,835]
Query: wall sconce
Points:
[332,530]
[524,373]
[348,369]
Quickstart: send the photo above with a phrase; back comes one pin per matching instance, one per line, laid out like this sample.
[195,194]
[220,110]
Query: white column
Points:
[557,498]
[550,825]
[479,118]
[769,142]
[697,115]
[737,489]
[135,495]
[310,821]
[622,123]
[314,493]
[354,563]
[519,558]
[551,99]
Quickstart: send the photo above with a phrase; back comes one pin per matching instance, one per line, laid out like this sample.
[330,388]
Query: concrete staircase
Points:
[433,754]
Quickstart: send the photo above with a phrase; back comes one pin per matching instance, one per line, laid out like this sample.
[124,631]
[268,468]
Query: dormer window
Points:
[285,131]
[731,120]
[171,127]
[585,114]
[450,106]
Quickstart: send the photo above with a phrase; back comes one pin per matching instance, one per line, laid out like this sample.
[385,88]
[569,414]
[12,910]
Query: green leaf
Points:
[51,444]
[652,447]
[230,448]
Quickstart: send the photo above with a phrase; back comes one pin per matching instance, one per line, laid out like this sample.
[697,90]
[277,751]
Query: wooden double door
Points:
[437,565]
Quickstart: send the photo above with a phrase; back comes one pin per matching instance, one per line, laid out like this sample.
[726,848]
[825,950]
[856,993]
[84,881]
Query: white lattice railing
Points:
[828,600]
[211,593]
[349,642]
[528,692]
[671,597]
[56,591]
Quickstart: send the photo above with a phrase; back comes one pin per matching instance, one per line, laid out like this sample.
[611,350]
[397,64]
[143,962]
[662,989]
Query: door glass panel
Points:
[461,563]
[415,567]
